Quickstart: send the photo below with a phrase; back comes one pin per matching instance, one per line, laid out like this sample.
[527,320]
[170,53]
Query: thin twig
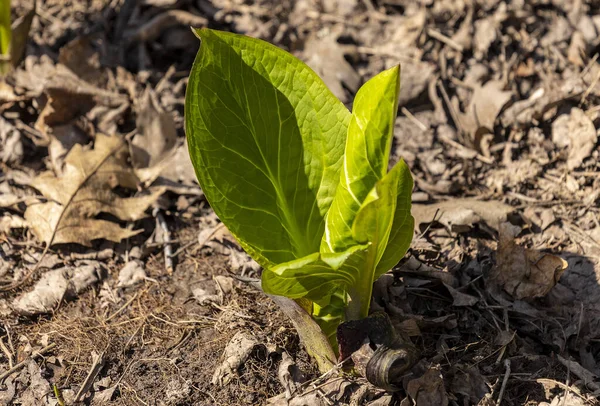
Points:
[446,40]
[450,107]
[412,118]
[7,352]
[21,364]
[97,364]
[121,308]
[504,381]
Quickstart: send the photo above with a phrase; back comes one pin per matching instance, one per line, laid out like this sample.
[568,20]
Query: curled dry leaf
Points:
[416,75]
[131,274]
[9,221]
[67,96]
[576,132]
[157,133]
[469,383]
[524,273]
[84,190]
[54,286]
[237,351]
[290,376]
[37,387]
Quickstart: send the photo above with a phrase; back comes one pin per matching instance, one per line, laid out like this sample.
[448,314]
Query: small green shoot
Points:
[5,36]
[301,182]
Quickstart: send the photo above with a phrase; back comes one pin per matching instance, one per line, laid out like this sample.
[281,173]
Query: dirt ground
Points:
[118,286]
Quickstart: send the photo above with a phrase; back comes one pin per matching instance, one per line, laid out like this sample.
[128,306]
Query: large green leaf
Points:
[366,155]
[266,138]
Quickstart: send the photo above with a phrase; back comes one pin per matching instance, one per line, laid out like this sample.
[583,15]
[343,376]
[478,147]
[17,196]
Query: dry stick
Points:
[412,118]
[25,361]
[453,113]
[167,247]
[589,89]
[121,308]
[446,40]
[97,364]
[504,381]
[7,352]
[15,285]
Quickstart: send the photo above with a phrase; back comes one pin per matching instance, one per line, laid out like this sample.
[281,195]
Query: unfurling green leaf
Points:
[300,181]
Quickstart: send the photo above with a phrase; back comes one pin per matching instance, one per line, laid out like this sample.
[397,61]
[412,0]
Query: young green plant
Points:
[302,183]
[5,36]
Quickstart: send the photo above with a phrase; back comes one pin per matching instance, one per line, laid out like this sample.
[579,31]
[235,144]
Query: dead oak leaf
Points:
[85,189]
[521,272]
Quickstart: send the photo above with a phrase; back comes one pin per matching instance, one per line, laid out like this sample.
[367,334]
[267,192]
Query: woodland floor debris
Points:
[499,123]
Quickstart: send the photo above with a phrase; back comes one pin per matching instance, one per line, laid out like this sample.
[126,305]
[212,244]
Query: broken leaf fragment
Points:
[524,273]
[85,189]
[576,132]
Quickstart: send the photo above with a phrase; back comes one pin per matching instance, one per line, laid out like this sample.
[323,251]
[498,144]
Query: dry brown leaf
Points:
[235,354]
[576,132]
[415,78]
[80,56]
[64,137]
[157,133]
[84,190]
[9,221]
[11,147]
[428,390]
[131,274]
[524,273]
[405,31]
[576,51]
[57,285]
[326,57]
[37,387]
[67,95]
[460,299]
[461,215]
[481,113]
[155,151]
[469,382]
